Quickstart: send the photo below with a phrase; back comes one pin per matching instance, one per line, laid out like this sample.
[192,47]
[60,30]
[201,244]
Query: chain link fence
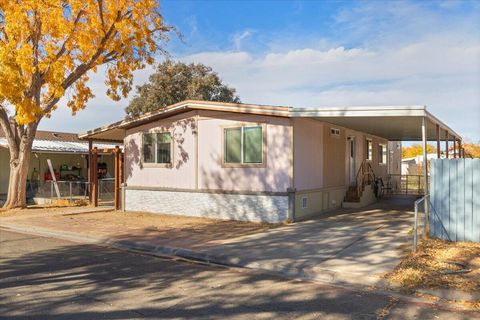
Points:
[47,192]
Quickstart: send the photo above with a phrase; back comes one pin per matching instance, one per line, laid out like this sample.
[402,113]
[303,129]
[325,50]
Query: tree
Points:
[176,81]
[416,150]
[472,150]
[48,48]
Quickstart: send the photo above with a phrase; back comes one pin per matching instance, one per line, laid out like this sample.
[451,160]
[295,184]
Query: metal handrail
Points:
[364,171]
[423,199]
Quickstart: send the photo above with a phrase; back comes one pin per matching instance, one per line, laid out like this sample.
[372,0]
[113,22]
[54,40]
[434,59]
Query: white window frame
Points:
[383,155]
[369,155]
[155,163]
[243,164]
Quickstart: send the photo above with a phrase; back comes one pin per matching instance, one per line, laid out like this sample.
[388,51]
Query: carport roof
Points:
[395,123]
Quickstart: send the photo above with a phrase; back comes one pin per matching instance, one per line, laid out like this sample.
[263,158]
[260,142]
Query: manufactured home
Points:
[260,163]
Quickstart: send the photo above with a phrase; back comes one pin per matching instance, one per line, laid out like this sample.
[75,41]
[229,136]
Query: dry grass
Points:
[438,264]
[172,230]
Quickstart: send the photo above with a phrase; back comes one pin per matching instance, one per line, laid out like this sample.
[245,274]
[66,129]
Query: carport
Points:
[395,123]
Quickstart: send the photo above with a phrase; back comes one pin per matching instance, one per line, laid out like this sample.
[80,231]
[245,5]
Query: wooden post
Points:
[460,149]
[454,147]
[438,142]
[89,170]
[446,144]
[117,181]
[94,179]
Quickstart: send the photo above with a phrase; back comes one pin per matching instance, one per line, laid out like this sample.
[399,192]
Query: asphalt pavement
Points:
[46,278]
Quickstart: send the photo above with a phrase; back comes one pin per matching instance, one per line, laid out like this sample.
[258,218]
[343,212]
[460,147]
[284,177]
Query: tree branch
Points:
[81,69]
[7,129]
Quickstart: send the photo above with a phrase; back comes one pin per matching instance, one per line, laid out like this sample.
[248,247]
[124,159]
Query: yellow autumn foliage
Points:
[416,150]
[48,47]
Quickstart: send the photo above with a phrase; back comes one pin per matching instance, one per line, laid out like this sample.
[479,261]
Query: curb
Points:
[327,277]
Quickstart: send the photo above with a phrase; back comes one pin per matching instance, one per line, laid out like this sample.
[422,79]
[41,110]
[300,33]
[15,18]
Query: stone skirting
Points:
[228,206]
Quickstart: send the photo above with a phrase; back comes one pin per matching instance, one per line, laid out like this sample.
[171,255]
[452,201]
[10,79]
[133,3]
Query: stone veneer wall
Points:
[244,207]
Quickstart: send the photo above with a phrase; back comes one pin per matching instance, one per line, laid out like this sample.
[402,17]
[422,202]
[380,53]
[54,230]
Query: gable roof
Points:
[390,122]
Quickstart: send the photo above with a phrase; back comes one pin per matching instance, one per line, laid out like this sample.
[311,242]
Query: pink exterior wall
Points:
[274,176]
[320,160]
[182,173]
[308,154]
[206,171]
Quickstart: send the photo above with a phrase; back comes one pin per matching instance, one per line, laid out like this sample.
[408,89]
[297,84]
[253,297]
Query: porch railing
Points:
[365,176]
[405,184]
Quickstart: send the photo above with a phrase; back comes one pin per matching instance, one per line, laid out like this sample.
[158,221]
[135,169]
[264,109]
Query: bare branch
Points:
[100,12]
[7,129]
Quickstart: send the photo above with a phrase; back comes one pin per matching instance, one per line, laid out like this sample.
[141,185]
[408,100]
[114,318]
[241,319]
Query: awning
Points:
[395,123]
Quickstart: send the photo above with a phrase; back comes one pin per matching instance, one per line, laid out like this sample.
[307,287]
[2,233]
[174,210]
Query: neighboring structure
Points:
[68,154]
[414,165]
[260,163]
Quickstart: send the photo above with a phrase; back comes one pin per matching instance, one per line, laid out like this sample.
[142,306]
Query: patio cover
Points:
[395,123]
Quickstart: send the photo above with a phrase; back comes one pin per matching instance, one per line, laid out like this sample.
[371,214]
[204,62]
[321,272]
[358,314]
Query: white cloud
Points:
[440,72]
[238,38]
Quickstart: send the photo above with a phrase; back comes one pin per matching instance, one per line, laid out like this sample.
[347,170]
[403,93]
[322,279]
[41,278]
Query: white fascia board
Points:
[364,111]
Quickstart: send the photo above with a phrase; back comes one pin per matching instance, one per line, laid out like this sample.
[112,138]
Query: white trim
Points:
[413,111]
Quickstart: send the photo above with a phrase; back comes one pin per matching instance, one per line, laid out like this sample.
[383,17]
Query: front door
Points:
[351,160]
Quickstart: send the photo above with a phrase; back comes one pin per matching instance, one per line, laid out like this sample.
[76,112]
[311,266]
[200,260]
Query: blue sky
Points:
[324,53]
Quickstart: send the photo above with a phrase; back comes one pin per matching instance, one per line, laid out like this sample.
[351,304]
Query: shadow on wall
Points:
[134,148]
[273,177]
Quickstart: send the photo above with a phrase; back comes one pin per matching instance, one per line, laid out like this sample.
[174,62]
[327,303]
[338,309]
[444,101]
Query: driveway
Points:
[355,246]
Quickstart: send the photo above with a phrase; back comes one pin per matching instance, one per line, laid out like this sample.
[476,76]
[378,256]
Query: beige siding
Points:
[308,154]
[334,157]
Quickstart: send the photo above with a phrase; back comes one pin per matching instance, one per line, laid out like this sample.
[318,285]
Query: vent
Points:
[335,132]
[304,202]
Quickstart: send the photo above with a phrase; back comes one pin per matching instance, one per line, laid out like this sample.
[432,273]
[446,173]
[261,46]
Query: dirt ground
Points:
[166,229]
[440,264]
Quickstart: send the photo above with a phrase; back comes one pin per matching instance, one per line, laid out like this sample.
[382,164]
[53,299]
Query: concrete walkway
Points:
[355,246]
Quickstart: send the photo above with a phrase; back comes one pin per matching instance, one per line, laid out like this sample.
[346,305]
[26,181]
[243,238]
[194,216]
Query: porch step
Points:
[351,199]
[351,195]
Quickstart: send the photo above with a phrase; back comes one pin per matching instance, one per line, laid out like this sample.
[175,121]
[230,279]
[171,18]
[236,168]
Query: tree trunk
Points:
[17,185]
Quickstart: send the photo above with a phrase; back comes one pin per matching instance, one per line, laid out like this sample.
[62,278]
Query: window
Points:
[334,132]
[369,150]
[244,145]
[157,147]
[383,153]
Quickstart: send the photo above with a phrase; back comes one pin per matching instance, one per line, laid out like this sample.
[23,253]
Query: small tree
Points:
[416,150]
[472,150]
[176,81]
[48,47]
